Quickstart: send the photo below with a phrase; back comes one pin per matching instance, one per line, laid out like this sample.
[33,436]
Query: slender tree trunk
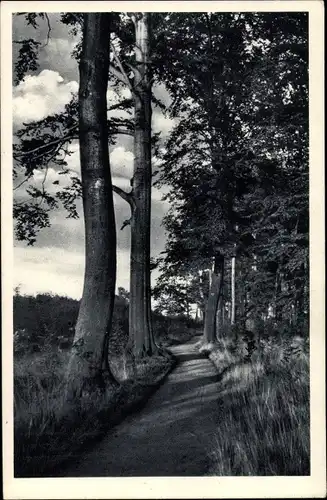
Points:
[88,365]
[187,307]
[232,319]
[141,335]
[242,293]
[306,289]
[220,311]
[277,295]
[209,334]
[203,294]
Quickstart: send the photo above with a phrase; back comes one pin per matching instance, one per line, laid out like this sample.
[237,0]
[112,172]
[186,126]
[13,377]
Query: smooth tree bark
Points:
[220,312]
[210,323]
[88,368]
[140,324]
[141,339]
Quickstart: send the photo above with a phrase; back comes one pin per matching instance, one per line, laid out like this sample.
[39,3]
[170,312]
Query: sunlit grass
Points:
[263,426]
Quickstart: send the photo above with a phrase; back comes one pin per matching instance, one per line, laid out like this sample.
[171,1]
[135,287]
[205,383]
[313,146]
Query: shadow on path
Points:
[170,436]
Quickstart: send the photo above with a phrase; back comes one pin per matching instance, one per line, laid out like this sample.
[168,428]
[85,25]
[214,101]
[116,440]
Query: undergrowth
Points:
[264,419]
[48,430]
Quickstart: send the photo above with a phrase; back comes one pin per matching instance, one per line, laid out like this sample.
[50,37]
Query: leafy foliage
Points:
[237,161]
[27,58]
[30,218]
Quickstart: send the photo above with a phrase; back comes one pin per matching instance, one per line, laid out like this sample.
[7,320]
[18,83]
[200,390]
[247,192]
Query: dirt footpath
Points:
[171,436]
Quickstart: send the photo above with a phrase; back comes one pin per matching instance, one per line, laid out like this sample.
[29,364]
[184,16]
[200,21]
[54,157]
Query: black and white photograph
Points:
[162,287]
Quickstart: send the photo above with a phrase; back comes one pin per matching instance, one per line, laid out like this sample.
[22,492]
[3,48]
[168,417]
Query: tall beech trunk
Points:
[140,328]
[209,334]
[88,365]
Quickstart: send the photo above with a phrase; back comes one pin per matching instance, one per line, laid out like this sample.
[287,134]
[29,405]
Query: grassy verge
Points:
[264,420]
[47,429]
[48,432]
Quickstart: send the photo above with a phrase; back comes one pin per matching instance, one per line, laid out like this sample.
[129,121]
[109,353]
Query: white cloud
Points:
[122,182]
[121,162]
[39,96]
[163,124]
[157,195]
[49,269]
[57,270]
[115,95]
[73,160]
[160,91]
[57,55]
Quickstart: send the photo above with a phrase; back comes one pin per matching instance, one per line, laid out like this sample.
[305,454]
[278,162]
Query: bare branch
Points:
[132,17]
[118,74]
[135,70]
[128,197]
[23,182]
[43,183]
[126,222]
[125,80]
[123,131]
[119,104]
[49,29]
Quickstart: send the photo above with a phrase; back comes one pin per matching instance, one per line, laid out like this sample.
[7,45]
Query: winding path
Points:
[171,436]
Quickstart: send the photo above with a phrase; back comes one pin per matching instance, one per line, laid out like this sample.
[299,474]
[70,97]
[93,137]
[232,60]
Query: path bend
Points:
[171,436]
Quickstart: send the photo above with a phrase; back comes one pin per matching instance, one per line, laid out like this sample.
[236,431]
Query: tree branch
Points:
[119,104]
[123,75]
[51,143]
[136,71]
[49,29]
[132,17]
[126,222]
[122,131]
[128,197]
[118,74]
[23,182]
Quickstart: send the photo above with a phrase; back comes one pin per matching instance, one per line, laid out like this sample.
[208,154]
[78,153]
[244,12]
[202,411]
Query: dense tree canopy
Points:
[237,162]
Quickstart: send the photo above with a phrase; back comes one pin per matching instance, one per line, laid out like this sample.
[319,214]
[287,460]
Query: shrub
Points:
[46,319]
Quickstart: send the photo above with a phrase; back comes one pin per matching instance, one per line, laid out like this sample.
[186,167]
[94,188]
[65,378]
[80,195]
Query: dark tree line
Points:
[237,164]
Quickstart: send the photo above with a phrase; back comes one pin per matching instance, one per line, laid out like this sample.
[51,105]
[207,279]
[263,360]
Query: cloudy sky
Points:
[56,261]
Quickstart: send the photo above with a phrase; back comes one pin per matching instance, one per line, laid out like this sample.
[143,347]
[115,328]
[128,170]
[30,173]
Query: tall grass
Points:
[264,419]
[47,429]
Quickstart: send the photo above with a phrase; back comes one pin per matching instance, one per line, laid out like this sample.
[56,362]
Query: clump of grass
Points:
[264,419]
